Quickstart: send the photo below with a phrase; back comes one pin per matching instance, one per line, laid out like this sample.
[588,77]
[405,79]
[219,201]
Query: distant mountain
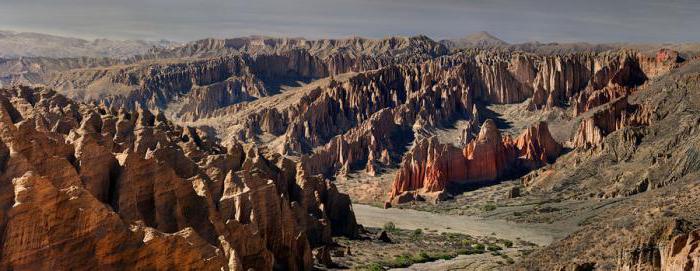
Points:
[24,44]
[479,39]
[392,47]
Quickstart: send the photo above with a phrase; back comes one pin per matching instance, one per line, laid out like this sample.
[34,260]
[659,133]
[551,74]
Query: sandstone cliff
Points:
[90,187]
[611,117]
[682,253]
[431,166]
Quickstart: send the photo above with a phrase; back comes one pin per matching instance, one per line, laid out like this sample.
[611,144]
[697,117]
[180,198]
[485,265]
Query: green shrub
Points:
[478,246]
[507,243]
[402,261]
[464,251]
[373,267]
[390,227]
[422,257]
[466,242]
[445,256]
[493,247]
[489,207]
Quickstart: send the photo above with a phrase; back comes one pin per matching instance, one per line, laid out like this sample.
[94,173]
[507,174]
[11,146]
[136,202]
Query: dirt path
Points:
[541,234]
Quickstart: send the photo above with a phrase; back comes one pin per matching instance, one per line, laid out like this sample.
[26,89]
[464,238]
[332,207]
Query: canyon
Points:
[241,153]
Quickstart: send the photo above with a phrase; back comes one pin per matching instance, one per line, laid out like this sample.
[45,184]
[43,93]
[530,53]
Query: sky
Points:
[514,21]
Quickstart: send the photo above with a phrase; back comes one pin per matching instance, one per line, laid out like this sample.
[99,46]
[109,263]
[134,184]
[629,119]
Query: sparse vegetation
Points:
[506,243]
[406,259]
[390,227]
[417,232]
[489,207]
[371,267]
[425,246]
[493,247]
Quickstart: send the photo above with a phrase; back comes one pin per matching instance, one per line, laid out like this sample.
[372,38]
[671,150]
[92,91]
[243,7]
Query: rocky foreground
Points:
[87,187]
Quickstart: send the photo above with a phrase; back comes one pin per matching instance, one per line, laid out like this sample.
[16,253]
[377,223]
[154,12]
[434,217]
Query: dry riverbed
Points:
[420,240]
[538,233]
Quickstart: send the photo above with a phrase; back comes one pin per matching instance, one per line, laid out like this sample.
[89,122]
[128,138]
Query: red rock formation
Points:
[536,146]
[613,116]
[661,63]
[87,187]
[682,253]
[431,166]
[494,77]
[419,96]
[587,100]
[487,157]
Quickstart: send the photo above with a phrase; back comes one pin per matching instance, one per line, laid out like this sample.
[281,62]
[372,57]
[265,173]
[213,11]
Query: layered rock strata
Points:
[88,187]
[188,88]
[611,117]
[431,166]
[223,92]
[487,76]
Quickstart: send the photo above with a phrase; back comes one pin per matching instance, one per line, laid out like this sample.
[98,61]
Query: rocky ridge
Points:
[647,166]
[129,189]
[481,39]
[411,100]
[322,48]
[187,88]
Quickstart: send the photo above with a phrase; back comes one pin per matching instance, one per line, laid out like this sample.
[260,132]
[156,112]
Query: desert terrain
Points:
[401,153]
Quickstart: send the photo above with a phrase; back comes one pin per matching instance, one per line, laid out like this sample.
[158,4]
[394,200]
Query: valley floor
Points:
[442,236]
[538,233]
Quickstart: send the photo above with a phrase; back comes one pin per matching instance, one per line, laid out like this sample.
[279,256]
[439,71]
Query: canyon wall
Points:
[411,99]
[352,123]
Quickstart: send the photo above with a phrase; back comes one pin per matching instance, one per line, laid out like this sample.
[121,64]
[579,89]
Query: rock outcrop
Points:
[611,117]
[536,146]
[192,89]
[682,253]
[90,187]
[431,166]
[340,55]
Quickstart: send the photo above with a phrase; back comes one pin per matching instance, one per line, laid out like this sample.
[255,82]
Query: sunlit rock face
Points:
[431,166]
[92,187]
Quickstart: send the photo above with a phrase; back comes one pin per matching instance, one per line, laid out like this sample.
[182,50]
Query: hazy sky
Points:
[511,20]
